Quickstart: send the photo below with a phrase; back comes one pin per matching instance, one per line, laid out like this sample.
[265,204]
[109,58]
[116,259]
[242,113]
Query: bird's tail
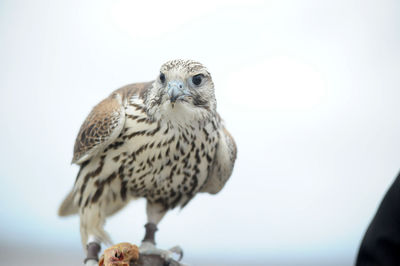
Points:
[67,206]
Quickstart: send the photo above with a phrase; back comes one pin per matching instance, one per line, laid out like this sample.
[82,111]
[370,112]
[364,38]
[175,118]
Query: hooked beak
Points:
[176,90]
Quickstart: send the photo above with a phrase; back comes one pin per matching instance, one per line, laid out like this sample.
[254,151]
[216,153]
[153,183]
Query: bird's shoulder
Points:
[105,121]
[138,90]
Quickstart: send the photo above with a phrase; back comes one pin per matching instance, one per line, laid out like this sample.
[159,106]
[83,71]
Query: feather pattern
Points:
[104,123]
[137,143]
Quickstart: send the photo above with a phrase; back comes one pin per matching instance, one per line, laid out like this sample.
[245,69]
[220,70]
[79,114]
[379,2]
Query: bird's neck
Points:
[180,114]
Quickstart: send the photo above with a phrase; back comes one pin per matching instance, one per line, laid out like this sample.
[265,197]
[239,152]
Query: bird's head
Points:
[182,86]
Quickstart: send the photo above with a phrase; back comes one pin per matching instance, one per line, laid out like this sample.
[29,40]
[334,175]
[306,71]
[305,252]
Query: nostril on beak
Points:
[175,90]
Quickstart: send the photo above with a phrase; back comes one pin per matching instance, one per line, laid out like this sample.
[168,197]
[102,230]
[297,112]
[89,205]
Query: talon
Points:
[167,255]
[177,250]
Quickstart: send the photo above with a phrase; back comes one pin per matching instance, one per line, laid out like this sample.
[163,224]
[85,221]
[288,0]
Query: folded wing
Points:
[224,161]
[102,126]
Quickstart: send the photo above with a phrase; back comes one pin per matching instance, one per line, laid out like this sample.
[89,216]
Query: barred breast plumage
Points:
[159,160]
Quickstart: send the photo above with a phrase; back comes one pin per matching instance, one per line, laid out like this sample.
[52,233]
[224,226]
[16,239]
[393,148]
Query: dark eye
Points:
[162,77]
[197,79]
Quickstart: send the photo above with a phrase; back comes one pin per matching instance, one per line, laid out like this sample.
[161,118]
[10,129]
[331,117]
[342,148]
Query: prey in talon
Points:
[122,254]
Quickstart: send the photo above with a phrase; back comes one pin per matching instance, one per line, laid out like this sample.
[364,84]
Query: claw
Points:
[150,249]
[177,250]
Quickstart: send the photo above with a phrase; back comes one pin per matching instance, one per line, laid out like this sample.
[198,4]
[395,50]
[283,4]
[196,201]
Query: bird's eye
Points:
[197,79]
[162,77]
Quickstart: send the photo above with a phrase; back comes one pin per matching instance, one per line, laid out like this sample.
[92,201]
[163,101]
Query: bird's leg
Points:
[151,229]
[155,212]
[93,249]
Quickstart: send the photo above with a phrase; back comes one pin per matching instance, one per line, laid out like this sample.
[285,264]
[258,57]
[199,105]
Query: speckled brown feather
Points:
[105,122]
[130,90]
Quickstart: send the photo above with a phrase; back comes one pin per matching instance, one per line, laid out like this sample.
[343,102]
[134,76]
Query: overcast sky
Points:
[309,90]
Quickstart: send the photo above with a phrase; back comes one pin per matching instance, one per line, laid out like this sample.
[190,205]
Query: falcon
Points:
[161,140]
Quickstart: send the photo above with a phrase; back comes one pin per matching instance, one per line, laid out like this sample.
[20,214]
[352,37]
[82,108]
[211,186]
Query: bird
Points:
[161,140]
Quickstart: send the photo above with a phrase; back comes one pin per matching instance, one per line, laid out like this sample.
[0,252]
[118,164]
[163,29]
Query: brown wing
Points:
[101,127]
[224,161]
[105,122]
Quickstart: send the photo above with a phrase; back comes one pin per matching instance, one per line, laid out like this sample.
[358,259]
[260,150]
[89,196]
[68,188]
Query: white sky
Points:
[309,89]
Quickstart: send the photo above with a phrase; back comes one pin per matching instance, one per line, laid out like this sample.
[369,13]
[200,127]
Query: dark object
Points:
[150,233]
[162,77]
[197,79]
[381,243]
[93,250]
